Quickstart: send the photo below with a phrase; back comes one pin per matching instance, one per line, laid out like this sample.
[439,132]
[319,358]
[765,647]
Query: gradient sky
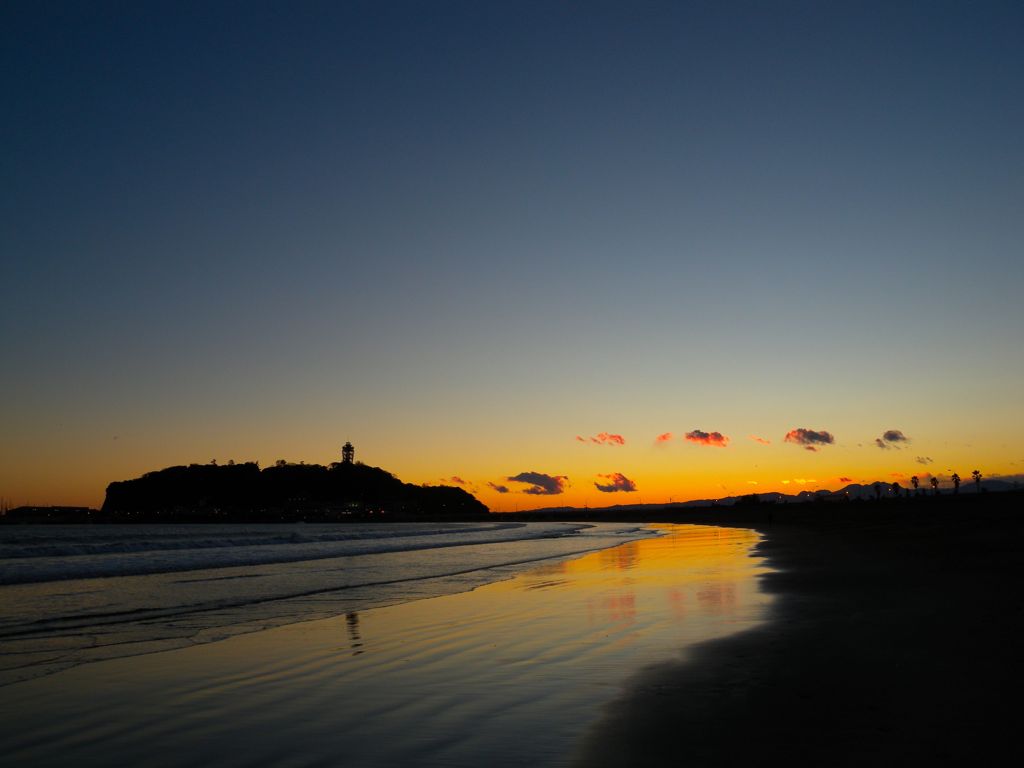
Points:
[462,234]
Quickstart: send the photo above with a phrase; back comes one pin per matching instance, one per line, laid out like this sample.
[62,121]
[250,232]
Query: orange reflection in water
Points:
[687,572]
[621,558]
[420,682]
[615,608]
[689,584]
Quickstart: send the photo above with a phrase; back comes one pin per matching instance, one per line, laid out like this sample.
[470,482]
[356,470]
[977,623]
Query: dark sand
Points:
[896,638]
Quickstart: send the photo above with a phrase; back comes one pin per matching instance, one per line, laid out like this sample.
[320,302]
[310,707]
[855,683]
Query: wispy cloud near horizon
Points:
[541,484]
[616,482]
[461,482]
[603,438]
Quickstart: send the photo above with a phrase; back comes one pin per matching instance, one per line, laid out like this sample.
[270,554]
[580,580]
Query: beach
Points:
[893,639]
[881,634]
[513,671]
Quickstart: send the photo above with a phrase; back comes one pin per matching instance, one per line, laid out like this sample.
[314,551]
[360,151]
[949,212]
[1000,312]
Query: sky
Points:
[472,238]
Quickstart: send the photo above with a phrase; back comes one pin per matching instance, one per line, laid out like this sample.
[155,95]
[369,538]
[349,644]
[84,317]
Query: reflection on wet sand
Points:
[621,558]
[506,674]
[689,573]
[352,624]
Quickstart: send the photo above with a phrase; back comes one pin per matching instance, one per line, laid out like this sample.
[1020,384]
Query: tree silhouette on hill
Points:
[977,480]
[956,482]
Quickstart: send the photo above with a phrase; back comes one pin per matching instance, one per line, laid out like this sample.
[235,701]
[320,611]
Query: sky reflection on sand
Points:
[506,674]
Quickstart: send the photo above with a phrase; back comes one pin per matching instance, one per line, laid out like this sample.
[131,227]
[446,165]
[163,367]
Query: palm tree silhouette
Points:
[977,479]
[956,482]
[915,482]
[935,485]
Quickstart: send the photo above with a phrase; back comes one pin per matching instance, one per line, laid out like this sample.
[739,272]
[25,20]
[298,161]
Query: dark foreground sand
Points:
[897,639]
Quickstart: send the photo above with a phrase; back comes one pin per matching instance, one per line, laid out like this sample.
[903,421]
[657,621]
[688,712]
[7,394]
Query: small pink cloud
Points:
[845,479]
[664,437]
[761,440]
[891,438]
[716,439]
[810,439]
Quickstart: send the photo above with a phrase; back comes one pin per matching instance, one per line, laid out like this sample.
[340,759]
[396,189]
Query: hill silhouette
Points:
[283,492]
[851,492]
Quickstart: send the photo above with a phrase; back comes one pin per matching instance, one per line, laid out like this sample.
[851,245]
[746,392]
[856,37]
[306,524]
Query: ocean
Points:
[373,646]
[75,594]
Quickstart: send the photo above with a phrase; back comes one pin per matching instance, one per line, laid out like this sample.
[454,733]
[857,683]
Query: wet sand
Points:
[895,639]
[511,673]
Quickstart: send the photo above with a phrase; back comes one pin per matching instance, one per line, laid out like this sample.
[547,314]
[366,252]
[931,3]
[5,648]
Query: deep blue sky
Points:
[473,229]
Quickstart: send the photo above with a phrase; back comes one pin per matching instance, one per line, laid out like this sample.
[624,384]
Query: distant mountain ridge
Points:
[852,491]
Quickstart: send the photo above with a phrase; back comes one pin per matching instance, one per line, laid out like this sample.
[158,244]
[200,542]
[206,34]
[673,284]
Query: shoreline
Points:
[509,673]
[891,640]
[224,598]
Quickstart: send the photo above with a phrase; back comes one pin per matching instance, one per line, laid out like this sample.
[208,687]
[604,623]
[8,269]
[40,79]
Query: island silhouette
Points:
[285,492]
